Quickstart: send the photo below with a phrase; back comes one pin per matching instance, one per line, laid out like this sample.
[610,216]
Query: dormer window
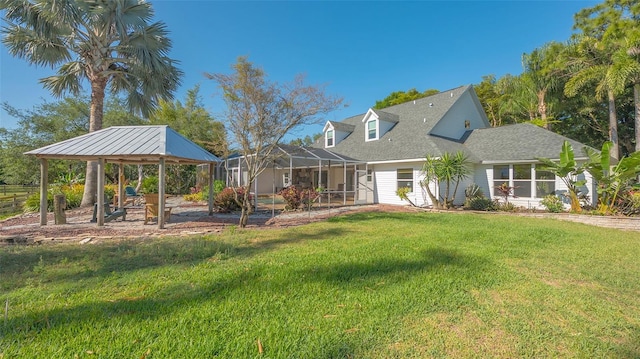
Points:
[329,138]
[377,123]
[372,130]
[334,132]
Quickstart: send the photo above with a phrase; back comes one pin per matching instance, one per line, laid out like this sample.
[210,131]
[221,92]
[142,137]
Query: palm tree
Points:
[592,63]
[541,69]
[106,43]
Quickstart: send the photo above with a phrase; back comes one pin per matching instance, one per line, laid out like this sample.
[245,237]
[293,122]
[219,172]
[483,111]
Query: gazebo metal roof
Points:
[124,144]
[129,144]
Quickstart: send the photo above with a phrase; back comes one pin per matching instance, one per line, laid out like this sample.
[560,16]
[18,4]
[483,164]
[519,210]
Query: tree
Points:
[568,170]
[194,122]
[612,29]
[541,69]
[517,100]
[107,43]
[260,113]
[611,179]
[48,123]
[490,99]
[306,141]
[398,97]
[448,169]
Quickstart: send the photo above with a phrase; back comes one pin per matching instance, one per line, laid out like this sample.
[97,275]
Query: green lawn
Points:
[369,285]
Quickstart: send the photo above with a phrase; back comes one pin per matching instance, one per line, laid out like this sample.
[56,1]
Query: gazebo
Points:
[125,145]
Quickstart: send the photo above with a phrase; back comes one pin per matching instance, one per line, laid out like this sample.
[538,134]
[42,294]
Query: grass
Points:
[368,285]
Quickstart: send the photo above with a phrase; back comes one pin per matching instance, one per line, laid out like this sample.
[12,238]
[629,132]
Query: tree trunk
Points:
[542,109]
[140,178]
[636,101]
[95,124]
[434,201]
[613,126]
[245,206]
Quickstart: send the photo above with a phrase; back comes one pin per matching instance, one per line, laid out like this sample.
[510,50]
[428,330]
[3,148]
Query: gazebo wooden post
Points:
[44,184]
[211,188]
[100,211]
[161,190]
[121,193]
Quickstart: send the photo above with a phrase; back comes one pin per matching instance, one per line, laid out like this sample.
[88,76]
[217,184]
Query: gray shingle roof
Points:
[409,138]
[129,144]
[520,142]
[386,116]
[342,127]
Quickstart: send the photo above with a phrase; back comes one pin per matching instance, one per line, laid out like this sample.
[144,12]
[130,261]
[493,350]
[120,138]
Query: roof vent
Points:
[452,94]
[430,104]
[424,120]
[414,102]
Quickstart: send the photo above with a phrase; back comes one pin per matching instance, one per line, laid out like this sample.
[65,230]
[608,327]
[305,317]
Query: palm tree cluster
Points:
[587,88]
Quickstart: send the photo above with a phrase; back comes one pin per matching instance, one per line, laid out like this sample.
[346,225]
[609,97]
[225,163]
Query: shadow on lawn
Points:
[431,259]
[80,262]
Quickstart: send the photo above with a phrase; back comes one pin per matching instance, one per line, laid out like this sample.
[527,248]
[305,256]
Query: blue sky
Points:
[361,50]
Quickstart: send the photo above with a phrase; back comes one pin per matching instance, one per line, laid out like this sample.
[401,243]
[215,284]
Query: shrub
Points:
[295,197]
[482,204]
[202,194]
[225,201]
[403,193]
[150,184]
[552,203]
[73,194]
[629,203]
[473,191]
[507,207]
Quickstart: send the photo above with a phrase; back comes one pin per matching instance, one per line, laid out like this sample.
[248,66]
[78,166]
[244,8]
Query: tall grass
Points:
[368,285]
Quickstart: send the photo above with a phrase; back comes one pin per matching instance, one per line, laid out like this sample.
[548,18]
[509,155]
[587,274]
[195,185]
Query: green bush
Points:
[507,207]
[225,201]
[296,197]
[73,194]
[552,203]
[202,194]
[150,184]
[629,203]
[482,204]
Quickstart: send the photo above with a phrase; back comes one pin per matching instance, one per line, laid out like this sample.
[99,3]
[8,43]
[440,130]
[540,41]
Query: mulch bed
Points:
[186,219]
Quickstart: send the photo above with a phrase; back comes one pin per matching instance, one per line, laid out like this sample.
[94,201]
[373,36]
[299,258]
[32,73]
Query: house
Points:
[369,156]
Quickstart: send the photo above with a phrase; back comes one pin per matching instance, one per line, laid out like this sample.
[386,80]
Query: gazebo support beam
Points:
[121,193]
[44,184]
[210,199]
[161,191]
[100,212]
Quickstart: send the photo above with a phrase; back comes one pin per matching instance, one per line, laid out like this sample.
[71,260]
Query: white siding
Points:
[452,124]
[386,184]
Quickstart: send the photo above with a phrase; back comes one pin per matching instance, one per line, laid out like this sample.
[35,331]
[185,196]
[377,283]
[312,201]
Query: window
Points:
[369,175]
[405,178]
[329,138]
[522,180]
[529,182]
[372,130]
[500,175]
[286,180]
[545,183]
